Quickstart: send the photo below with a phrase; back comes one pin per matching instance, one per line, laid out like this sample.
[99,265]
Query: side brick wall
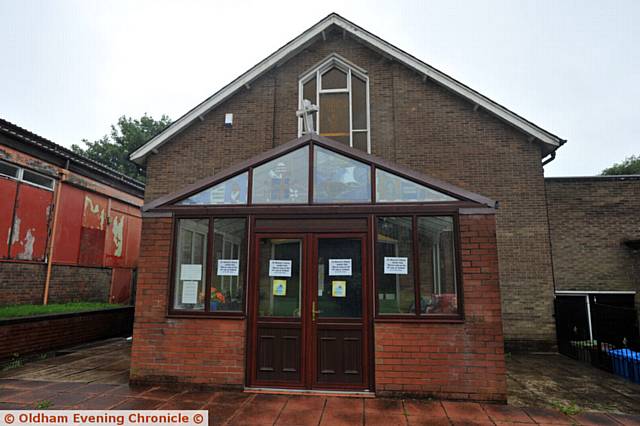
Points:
[23,283]
[589,218]
[458,360]
[178,350]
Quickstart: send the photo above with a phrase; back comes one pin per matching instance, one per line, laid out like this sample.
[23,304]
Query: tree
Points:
[126,136]
[630,166]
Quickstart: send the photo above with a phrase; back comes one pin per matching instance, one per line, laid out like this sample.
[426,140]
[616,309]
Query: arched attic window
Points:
[341,90]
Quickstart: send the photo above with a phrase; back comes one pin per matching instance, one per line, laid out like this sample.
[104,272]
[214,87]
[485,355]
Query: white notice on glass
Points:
[190,292]
[340,267]
[396,265]
[228,267]
[279,268]
[191,272]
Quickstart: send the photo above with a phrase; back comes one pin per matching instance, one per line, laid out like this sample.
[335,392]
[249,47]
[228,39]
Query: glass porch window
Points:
[391,188]
[340,179]
[438,287]
[280,284]
[394,265]
[284,180]
[430,248]
[230,248]
[231,191]
[190,271]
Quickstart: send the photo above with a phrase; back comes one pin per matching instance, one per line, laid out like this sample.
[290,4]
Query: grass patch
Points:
[569,408]
[16,311]
[43,405]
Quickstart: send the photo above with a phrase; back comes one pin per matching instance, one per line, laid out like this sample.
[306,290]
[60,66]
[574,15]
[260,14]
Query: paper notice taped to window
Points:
[279,287]
[189,292]
[339,288]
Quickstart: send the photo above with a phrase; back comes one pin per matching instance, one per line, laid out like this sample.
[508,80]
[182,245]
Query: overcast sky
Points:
[70,68]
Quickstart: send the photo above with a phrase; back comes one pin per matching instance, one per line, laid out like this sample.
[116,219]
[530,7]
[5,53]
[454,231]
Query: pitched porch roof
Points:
[462,196]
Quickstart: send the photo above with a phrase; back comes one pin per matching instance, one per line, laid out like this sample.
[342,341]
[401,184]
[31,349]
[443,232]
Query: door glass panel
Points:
[280,284]
[231,191]
[339,278]
[283,180]
[339,179]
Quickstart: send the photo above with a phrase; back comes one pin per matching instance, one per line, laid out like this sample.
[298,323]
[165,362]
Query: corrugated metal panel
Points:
[93,233]
[134,231]
[67,238]
[8,189]
[115,244]
[121,285]
[31,223]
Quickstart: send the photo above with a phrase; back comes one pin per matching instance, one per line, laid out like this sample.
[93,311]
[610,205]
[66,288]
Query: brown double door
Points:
[308,312]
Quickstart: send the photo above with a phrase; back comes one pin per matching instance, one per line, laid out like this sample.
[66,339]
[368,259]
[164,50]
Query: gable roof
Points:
[462,195]
[551,141]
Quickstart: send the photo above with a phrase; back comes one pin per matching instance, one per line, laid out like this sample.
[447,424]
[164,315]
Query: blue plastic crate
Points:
[626,363]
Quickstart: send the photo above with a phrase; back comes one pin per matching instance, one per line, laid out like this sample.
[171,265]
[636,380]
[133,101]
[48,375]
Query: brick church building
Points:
[391,235]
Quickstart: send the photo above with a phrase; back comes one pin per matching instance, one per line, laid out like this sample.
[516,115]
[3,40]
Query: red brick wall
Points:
[24,336]
[178,350]
[458,360]
[413,123]
[22,282]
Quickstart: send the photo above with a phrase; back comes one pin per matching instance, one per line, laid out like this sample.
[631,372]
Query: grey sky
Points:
[70,68]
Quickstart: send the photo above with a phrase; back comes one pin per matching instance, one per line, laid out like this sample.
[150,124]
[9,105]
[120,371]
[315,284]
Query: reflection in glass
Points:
[191,264]
[280,294]
[283,180]
[231,191]
[438,293]
[339,295]
[391,188]
[229,243]
[334,116]
[339,179]
[396,291]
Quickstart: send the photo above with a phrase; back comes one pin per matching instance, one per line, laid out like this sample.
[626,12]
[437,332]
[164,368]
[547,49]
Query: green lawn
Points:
[55,308]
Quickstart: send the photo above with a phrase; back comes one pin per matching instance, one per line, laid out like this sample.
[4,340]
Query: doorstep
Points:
[311,392]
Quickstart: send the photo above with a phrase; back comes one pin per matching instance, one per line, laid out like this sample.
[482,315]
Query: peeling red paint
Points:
[31,223]
[8,190]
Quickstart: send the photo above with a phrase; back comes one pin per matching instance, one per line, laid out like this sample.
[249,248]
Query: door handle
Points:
[314,311]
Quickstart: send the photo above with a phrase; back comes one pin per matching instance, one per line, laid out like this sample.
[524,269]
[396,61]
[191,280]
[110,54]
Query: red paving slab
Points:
[301,410]
[507,413]
[464,412]
[239,408]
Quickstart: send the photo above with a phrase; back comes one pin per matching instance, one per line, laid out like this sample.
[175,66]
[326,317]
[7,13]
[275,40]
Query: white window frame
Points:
[20,176]
[336,61]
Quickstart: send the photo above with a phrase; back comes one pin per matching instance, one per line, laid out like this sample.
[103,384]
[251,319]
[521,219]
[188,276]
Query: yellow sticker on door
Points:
[339,288]
[279,287]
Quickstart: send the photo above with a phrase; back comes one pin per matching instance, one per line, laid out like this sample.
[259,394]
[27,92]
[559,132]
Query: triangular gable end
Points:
[550,142]
[314,170]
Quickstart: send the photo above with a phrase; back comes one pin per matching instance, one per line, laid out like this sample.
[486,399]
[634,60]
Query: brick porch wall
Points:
[178,350]
[458,360]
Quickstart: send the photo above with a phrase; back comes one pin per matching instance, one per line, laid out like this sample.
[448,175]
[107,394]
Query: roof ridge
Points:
[21,132]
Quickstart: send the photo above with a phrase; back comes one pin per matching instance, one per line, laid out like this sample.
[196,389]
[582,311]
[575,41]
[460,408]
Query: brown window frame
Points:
[417,316]
[208,265]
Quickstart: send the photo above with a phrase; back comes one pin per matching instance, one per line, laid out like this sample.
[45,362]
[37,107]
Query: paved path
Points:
[94,377]
[238,408]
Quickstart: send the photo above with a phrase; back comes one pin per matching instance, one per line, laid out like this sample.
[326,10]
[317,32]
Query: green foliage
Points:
[15,362]
[630,166]
[568,408]
[43,405]
[126,136]
[14,311]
